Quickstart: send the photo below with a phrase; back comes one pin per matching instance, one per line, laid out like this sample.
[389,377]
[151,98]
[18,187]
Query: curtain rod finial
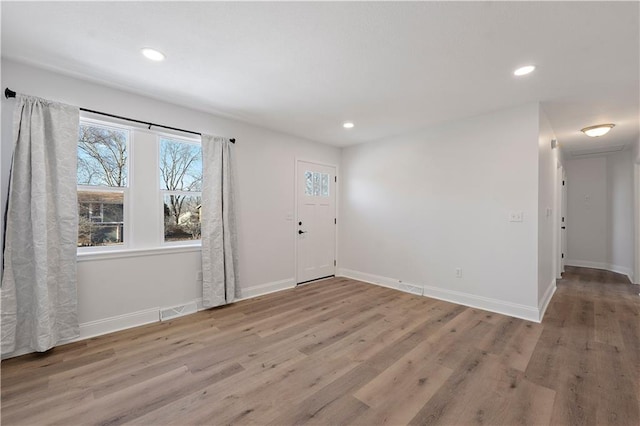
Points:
[8,93]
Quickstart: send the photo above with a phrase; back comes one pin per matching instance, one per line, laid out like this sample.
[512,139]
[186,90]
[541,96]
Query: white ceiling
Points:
[392,68]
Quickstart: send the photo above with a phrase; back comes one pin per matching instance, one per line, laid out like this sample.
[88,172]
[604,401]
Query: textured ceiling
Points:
[392,68]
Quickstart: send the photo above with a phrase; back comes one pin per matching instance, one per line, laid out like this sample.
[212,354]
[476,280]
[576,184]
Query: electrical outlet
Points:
[199,276]
[458,272]
[516,216]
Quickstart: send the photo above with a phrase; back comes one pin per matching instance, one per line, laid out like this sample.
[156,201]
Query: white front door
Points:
[316,221]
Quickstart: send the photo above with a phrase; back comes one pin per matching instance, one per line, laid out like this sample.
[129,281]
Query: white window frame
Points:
[163,192]
[126,213]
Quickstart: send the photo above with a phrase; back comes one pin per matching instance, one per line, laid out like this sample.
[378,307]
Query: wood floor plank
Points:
[444,405]
[325,399]
[261,404]
[616,406]
[415,378]
[339,352]
[203,403]
[607,329]
[519,349]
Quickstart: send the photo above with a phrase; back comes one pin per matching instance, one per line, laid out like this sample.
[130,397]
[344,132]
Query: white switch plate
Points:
[458,272]
[516,216]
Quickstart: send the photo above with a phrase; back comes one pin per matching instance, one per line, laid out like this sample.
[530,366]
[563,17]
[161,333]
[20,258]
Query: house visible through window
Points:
[103,159]
[136,188]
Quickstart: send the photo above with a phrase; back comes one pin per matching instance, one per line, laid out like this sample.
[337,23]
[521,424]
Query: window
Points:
[316,184]
[180,164]
[103,160]
[137,189]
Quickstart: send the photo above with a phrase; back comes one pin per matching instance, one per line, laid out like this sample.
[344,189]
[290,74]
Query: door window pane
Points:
[325,185]
[316,184]
[308,183]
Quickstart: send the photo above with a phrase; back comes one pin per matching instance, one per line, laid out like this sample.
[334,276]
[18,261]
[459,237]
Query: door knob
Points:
[301,232]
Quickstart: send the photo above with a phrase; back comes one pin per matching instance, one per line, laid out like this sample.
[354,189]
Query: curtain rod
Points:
[8,93]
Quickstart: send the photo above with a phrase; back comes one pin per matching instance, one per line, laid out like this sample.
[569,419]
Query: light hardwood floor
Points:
[344,352]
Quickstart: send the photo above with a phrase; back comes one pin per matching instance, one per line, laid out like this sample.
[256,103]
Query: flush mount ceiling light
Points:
[524,70]
[597,130]
[348,125]
[152,54]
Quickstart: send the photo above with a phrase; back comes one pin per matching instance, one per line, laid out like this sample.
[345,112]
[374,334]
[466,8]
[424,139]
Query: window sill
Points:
[127,253]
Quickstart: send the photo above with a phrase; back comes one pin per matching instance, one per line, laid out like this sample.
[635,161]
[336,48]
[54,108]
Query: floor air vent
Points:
[177,311]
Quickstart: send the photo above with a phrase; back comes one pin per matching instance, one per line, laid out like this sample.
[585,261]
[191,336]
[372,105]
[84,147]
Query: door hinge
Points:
[563,218]
[335,178]
[562,183]
[335,221]
[334,262]
[563,255]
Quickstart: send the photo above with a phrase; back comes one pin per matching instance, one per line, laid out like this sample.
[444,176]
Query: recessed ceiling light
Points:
[597,130]
[348,125]
[153,54]
[524,70]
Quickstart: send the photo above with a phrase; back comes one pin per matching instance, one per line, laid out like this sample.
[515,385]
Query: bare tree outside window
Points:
[102,168]
[102,156]
[181,182]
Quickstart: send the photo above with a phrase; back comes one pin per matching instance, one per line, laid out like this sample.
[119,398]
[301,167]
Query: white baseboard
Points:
[528,313]
[117,323]
[602,265]
[104,326]
[18,352]
[381,281]
[151,315]
[262,289]
[148,316]
[517,310]
[546,298]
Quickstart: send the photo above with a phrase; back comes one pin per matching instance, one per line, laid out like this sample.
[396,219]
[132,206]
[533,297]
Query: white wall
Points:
[128,290]
[620,226]
[600,227]
[586,210]
[547,216]
[419,206]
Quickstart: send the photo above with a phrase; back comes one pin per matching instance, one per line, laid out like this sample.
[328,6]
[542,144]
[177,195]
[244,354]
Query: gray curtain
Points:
[38,294]
[219,241]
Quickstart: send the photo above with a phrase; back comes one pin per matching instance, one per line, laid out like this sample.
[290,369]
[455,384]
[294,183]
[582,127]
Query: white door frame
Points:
[560,202]
[295,209]
[557,223]
[636,173]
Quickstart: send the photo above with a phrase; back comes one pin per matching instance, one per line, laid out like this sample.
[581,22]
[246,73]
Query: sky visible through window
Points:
[102,156]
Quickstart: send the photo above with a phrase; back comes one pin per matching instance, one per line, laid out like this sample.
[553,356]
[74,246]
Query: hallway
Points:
[589,350]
